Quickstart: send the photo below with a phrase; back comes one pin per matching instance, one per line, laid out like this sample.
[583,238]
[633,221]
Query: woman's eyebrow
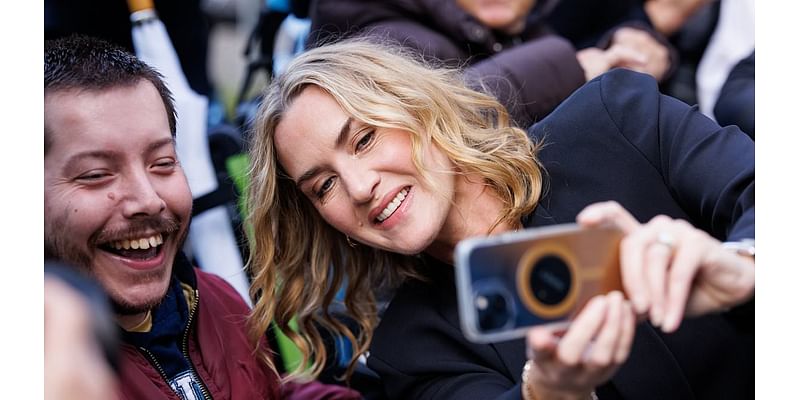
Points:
[344,133]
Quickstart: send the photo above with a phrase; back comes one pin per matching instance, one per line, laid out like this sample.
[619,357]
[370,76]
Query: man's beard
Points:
[57,246]
[122,307]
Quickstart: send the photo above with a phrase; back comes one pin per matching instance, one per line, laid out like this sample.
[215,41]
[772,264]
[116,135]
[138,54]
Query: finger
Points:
[593,62]
[627,33]
[608,212]
[632,267]
[581,331]
[635,38]
[542,343]
[657,262]
[604,348]
[685,265]
[625,56]
[626,333]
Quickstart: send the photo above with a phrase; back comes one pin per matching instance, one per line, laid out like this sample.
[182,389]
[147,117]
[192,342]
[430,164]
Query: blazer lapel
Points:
[512,354]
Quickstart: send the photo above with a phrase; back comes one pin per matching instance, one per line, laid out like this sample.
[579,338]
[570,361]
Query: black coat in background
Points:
[618,139]
[736,103]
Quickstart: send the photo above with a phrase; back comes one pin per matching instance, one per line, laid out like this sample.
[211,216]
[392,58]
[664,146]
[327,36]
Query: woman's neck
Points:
[475,211]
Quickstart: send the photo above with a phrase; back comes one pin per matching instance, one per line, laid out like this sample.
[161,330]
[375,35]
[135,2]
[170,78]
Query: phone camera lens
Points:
[493,309]
[550,280]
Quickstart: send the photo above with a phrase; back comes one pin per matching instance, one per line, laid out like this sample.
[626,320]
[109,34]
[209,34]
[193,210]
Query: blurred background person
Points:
[732,41]
[186,23]
[507,47]
[736,104]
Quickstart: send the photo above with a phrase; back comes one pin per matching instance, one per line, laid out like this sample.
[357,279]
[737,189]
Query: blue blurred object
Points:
[278,5]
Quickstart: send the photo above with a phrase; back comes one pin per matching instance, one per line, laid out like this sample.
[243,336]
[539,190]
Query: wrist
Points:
[744,248]
[532,390]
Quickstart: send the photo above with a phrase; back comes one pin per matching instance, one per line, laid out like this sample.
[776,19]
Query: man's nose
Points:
[141,197]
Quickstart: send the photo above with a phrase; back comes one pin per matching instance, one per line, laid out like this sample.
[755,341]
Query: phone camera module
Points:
[550,280]
[494,308]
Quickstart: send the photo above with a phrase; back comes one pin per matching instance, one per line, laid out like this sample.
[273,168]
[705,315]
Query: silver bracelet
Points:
[744,247]
[527,392]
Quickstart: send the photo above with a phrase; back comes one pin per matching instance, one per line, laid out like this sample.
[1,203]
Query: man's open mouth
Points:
[141,248]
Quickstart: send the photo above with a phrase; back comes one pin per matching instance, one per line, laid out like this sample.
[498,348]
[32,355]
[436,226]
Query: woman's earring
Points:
[350,242]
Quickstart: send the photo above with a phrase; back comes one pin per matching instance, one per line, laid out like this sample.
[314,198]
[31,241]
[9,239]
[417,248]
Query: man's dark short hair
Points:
[81,62]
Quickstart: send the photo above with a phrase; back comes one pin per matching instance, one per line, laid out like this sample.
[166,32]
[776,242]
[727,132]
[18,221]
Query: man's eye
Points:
[325,187]
[365,141]
[94,175]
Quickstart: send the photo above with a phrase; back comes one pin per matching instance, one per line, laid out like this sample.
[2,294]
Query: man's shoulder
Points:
[212,287]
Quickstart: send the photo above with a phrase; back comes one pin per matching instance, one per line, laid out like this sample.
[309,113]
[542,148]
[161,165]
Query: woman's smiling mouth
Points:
[392,206]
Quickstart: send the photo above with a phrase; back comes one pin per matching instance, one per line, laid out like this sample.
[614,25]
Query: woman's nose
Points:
[362,183]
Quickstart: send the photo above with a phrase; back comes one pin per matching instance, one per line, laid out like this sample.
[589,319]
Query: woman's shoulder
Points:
[610,103]
[615,91]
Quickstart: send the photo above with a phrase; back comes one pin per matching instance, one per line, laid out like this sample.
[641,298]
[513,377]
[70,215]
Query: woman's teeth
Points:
[141,243]
[392,206]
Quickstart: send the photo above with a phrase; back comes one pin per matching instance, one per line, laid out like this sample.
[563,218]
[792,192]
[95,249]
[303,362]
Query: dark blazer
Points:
[618,139]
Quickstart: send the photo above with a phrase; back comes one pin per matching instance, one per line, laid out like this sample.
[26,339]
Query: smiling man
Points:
[118,205]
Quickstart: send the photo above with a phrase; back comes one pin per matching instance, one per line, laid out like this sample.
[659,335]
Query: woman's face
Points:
[361,178]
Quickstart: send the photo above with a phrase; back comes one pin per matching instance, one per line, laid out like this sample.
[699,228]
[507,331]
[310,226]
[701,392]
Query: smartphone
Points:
[510,282]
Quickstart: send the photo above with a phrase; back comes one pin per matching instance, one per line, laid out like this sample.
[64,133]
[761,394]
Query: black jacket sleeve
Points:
[710,170]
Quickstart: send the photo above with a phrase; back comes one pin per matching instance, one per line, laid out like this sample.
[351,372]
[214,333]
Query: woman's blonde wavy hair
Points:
[298,261]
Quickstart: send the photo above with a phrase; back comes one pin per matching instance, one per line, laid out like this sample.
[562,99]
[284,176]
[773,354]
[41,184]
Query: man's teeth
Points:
[141,243]
[392,207]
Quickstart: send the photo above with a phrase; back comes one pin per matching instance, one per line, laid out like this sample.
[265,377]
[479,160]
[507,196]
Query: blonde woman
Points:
[368,168]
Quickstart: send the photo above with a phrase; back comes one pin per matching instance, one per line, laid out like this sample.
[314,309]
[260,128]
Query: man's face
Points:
[116,200]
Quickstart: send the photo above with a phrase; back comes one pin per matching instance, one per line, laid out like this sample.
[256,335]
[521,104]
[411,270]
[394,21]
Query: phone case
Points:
[510,282]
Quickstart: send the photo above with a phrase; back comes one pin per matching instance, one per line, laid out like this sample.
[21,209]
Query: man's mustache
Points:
[137,228]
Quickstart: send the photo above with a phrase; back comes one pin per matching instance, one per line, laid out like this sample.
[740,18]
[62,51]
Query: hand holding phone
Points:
[510,282]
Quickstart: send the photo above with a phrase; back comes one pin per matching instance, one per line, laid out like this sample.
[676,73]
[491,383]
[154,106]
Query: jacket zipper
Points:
[185,349]
[185,345]
[152,359]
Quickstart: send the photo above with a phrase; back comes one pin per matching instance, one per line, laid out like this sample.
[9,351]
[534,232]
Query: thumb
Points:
[607,213]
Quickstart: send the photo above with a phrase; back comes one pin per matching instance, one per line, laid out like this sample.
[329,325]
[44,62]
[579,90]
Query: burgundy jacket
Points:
[530,73]
[221,353]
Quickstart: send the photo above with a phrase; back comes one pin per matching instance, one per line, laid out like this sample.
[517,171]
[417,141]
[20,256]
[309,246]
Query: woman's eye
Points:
[365,140]
[165,163]
[325,187]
